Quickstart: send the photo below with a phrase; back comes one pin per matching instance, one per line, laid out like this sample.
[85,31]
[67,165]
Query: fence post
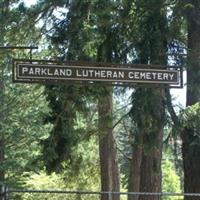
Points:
[4,192]
[109,195]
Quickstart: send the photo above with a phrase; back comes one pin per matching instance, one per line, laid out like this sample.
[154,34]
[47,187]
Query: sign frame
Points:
[104,68]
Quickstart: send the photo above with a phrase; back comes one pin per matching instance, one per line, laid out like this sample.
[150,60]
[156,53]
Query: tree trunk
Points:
[2,173]
[145,170]
[135,168]
[149,103]
[107,149]
[151,170]
[2,147]
[191,164]
[190,150]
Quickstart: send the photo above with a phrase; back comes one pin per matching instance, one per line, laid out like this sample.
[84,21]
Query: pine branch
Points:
[120,120]
[123,154]
[170,107]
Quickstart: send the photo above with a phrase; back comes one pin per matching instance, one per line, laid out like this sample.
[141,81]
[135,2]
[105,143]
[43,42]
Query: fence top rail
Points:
[100,193]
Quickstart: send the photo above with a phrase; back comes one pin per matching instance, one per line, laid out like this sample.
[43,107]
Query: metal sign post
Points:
[9,48]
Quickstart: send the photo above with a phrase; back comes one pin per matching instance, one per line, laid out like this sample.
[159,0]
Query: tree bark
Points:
[135,168]
[150,104]
[151,170]
[2,145]
[1,133]
[2,173]
[107,149]
[191,164]
[145,170]
[191,150]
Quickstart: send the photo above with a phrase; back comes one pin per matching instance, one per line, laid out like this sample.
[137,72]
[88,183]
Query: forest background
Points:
[97,137]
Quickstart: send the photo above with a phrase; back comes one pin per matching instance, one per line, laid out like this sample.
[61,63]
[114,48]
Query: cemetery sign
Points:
[75,72]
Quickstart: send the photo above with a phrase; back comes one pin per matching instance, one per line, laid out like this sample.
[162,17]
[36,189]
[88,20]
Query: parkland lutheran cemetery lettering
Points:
[31,72]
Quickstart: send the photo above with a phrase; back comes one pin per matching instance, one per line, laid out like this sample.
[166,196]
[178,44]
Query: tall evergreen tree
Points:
[16,116]
[4,10]
[85,33]
[4,20]
[148,109]
[190,146]
[107,147]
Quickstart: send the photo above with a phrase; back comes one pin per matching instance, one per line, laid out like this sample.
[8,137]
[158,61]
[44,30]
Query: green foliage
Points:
[147,113]
[81,35]
[24,108]
[143,111]
[85,179]
[41,181]
[189,118]
[124,133]
[170,181]
[148,106]
[67,103]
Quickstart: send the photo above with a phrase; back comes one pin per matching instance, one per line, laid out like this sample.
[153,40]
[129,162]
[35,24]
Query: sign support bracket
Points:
[10,48]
